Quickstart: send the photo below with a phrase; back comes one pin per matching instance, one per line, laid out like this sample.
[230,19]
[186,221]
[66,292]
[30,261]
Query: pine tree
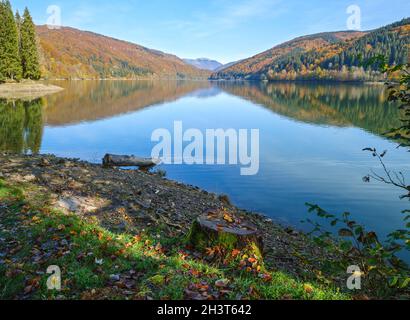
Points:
[10,66]
[29,53]
[18,23]
[2,40]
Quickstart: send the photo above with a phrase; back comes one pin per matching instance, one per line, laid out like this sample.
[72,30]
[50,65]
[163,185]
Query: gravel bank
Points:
[133,200]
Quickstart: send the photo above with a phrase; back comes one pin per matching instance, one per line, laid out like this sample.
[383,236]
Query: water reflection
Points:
[362,106]
[21,126]
[359,106]
[84,101]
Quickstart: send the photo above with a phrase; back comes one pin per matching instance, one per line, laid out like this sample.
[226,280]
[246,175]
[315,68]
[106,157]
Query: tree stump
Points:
[111,160]
[222,229]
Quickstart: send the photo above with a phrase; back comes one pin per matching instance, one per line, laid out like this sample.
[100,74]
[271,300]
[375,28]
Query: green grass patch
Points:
[9,193]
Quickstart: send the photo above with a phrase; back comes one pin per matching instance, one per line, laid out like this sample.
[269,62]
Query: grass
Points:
[98,264]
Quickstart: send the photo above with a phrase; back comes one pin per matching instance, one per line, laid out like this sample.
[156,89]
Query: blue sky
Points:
[225,30]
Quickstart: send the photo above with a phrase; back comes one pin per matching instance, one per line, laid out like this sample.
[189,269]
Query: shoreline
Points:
[301,81]
[27,90]
[149,199]
[43,85]
[312,81]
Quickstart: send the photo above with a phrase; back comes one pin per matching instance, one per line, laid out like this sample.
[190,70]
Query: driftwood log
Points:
[111,160]
[219,228]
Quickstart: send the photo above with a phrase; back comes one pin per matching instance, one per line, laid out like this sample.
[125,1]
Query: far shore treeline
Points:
[19,57]
[327,56]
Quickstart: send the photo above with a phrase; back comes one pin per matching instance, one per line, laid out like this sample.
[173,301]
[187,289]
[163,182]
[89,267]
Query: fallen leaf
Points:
[192,295]
[222,283]
[266,277]
[236,253]
[252,260]
[308,288]
[28,289]
[228,218]
[194,272]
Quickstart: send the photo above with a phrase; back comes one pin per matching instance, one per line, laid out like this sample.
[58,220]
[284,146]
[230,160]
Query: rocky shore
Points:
[133,201]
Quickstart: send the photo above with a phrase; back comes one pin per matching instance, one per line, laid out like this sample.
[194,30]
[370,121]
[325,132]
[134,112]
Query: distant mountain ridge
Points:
[68,53]
[325,56]
[225,66]
[204,64]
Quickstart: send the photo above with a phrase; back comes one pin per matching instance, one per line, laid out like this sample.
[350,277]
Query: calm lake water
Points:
[311,139]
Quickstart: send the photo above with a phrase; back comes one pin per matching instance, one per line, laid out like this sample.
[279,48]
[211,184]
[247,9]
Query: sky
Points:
[224,30]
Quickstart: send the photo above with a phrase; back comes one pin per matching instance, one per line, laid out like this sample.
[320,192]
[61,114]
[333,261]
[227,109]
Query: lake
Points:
[311,139]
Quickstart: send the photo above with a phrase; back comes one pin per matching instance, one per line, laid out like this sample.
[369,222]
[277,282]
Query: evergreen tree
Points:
[2,40]
[10,66]
[18,23]
[29,53]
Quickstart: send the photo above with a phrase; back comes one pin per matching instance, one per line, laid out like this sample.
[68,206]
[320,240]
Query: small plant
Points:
[384,274]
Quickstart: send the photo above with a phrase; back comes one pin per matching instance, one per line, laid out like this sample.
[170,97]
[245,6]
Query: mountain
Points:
[73,54]
[325,56]
[204,64]
[225,66]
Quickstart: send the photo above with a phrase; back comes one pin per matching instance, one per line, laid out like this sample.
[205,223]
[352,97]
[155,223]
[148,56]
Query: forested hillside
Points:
[326,56]
[30,52]
[71,53]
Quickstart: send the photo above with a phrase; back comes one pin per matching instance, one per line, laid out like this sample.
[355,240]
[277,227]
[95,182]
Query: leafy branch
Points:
[385,274]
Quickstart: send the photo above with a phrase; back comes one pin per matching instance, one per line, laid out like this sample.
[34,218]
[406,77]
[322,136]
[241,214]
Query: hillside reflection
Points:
[84,101]
[361,106]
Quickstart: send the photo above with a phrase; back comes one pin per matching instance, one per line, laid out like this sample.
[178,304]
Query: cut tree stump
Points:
[219,228]
[112,160]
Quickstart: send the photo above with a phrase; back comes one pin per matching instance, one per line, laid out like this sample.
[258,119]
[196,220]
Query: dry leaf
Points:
[228,218]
